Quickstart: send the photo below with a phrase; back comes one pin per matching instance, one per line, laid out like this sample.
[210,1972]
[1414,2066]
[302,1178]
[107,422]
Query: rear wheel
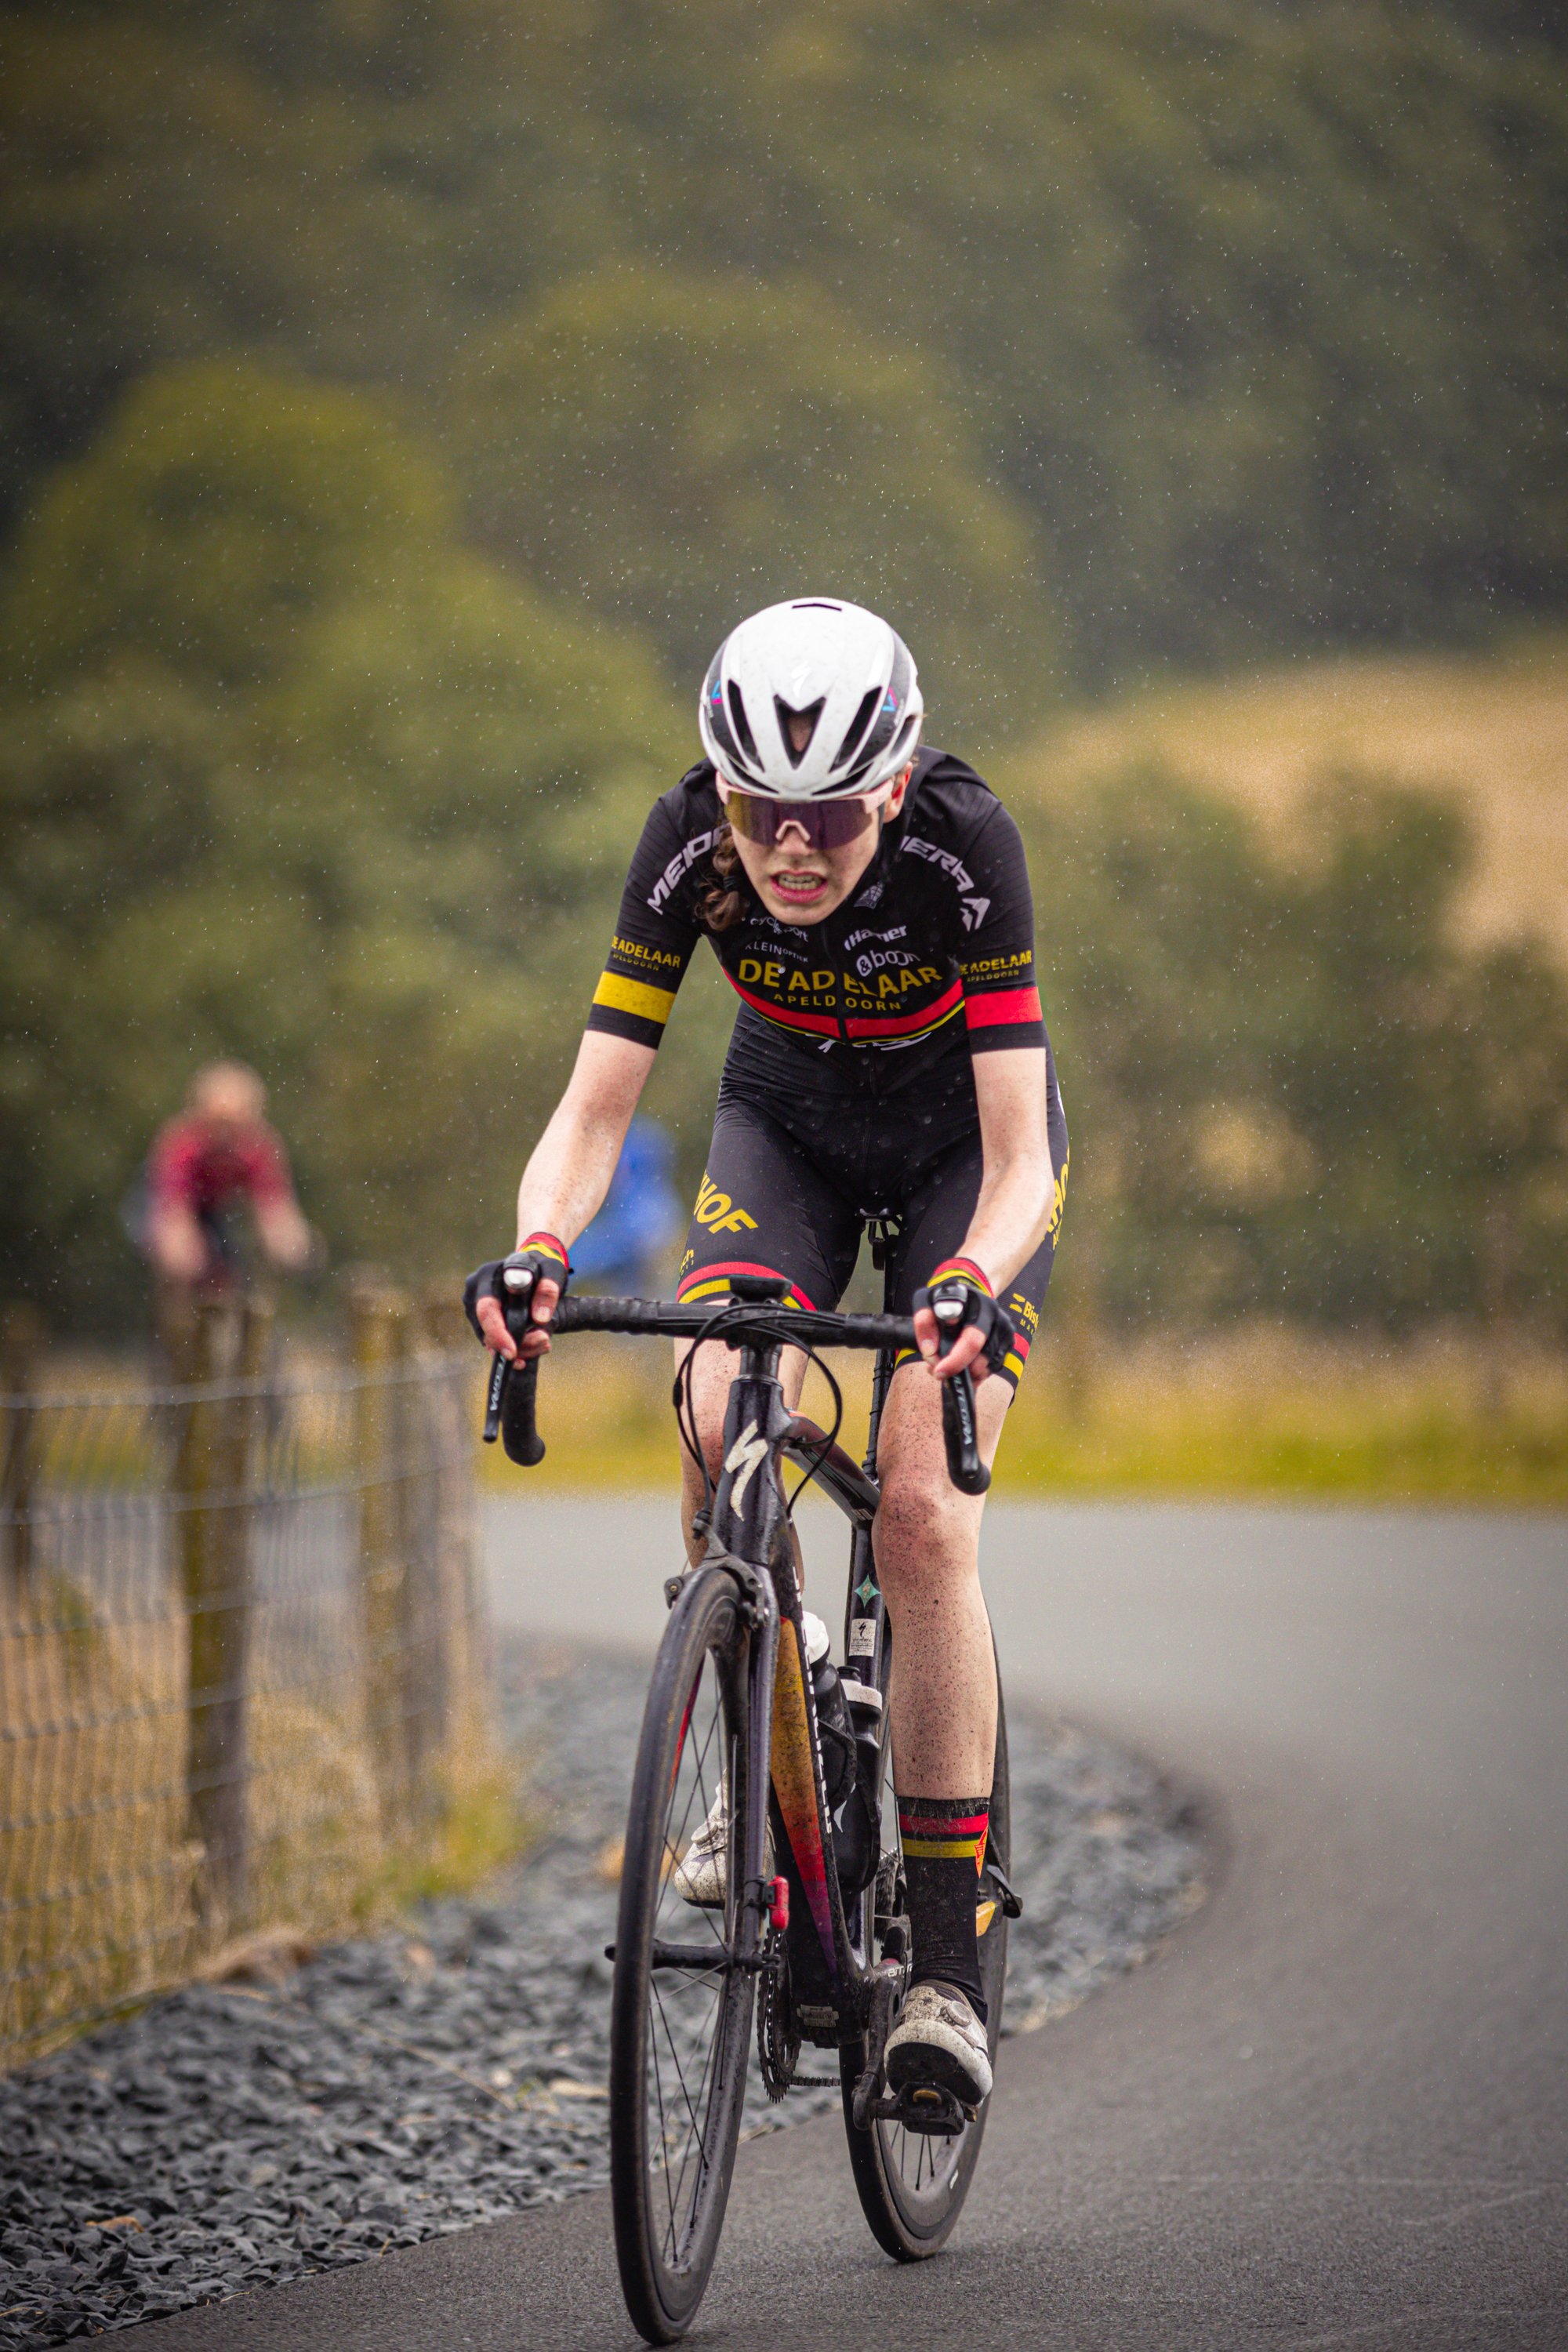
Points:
[912,2185]
[679,2034]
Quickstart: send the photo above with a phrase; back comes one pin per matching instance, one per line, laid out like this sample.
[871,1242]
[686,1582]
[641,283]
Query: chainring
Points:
[778,2029]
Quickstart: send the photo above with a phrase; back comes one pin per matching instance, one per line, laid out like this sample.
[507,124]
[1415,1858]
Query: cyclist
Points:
[220,1152]
[868,900]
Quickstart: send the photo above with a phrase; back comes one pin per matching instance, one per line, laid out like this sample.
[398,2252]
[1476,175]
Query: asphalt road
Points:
[1333,2111]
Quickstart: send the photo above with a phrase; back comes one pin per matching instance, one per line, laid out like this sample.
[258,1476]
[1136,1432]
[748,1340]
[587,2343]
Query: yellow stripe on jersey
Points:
[636,996]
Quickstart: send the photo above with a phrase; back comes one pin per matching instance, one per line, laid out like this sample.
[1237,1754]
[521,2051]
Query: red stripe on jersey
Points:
[821,1025]
[1002,1005]
[896,1027]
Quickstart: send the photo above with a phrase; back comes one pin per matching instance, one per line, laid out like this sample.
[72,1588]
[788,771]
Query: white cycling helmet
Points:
[820,659]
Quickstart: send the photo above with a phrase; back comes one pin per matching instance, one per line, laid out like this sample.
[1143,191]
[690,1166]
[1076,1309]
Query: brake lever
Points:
[961,1434]
[511,1399]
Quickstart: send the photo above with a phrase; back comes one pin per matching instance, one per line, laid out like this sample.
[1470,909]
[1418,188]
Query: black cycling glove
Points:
[958,1281]
[541,1256]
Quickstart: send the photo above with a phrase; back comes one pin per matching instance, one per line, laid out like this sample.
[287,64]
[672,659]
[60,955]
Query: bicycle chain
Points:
[778,2036]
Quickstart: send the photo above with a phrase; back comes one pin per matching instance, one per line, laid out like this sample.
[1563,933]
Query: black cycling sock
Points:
[944,1847]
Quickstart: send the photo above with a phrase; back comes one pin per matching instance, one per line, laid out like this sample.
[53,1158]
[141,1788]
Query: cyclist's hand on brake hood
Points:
[543,1260]
[957,1313]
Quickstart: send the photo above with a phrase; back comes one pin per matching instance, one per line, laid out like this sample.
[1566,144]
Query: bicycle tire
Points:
[680,2038]
[912,2188]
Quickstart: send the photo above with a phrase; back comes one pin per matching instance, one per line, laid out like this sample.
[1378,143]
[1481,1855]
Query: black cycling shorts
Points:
[792,1180]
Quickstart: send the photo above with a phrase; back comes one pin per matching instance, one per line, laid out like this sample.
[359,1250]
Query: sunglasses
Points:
[827,825]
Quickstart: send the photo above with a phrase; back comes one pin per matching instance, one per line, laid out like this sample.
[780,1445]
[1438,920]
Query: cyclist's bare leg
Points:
[710,1396]
[943,1702]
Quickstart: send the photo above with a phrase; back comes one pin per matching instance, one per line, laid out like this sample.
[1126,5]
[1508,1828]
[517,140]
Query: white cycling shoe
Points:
[939,2040]
[702,1875]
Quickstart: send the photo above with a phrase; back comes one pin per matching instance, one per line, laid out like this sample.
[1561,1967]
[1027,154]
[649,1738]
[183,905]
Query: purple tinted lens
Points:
[827,825]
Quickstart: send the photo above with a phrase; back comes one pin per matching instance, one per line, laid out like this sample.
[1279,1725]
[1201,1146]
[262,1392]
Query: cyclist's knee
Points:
[923,1513]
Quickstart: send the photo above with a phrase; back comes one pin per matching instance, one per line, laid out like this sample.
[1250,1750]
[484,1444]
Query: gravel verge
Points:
[418,2082]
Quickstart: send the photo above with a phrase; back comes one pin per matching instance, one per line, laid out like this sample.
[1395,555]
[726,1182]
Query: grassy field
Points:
[1489,729]
[1259,1413]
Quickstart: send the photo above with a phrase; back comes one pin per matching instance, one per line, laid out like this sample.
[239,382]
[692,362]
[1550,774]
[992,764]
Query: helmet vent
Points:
[748,741]
[858,724]
[795,753]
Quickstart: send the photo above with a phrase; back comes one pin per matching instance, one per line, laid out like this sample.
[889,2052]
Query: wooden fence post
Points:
[381,1345]
[21,1334]
[212,1479]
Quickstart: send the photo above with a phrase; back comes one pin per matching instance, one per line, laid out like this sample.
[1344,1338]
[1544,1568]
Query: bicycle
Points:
[813,1930]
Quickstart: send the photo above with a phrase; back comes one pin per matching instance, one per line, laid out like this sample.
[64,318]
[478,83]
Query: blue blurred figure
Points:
[625,1251]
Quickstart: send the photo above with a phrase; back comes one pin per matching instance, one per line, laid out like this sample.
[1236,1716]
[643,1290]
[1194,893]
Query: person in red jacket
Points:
[219,1154]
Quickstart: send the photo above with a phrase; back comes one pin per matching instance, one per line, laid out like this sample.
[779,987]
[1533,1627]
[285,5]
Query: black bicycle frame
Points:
[831,1980]
[750,1508]
[828,1973]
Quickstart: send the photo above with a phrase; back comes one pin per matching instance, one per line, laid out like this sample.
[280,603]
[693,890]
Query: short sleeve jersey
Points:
[190,1170]
[939,933]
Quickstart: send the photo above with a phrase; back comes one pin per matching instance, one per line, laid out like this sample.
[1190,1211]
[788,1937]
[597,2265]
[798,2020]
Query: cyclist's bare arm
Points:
[1015,1186]
[285,1236]
[565,1180]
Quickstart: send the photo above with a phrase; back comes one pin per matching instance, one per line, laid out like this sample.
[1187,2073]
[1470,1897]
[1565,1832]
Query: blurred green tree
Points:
[1248,307]
[681,450]
[1289,1093]
[286,771]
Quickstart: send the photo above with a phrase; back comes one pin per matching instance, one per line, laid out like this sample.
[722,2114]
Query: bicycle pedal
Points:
[925,2107]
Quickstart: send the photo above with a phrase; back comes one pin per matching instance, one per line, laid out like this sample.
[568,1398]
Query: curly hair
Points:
[719,902]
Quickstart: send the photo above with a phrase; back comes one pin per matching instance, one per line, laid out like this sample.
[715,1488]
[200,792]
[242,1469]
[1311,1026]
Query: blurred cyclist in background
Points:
[218,1155]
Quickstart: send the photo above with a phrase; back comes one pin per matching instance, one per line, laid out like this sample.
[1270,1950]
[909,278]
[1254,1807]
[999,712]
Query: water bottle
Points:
[832,1711]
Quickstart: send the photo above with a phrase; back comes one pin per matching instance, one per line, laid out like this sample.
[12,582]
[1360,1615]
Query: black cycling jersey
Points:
[848,1088]
[940,931]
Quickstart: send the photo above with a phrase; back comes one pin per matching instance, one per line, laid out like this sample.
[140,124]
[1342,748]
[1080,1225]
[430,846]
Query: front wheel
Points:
[680,2033]
[912,2185]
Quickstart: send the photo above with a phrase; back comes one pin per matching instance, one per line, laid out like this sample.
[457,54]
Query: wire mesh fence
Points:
[242,1654]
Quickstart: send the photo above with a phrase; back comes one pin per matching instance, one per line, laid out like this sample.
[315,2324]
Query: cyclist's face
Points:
[803,884]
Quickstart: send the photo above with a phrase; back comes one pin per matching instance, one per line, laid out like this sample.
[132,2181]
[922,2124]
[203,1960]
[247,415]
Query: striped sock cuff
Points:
[945,1828]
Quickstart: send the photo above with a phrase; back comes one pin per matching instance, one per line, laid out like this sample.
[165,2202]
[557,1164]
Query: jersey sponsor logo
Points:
[882,959]
[784,946]
[913,847]
[989,966]
[899,931]
[974,911]
[889,983]
[681,863]
[1058,1197]
[718,1211]
[758,971]
[635,952]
